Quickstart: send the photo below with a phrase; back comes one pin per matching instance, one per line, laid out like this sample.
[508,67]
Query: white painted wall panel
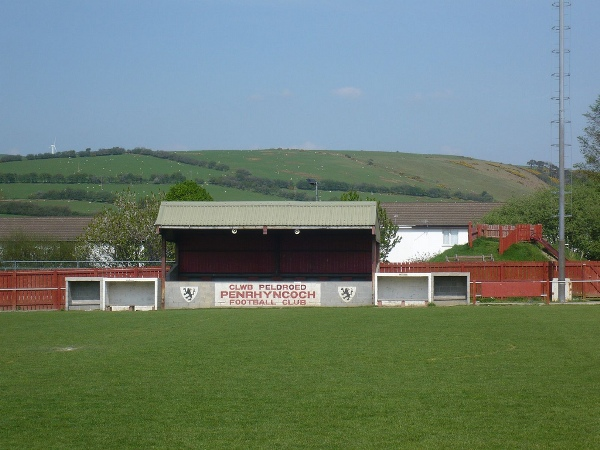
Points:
[423,243]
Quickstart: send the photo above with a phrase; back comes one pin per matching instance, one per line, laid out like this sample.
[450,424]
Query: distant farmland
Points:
[275,174]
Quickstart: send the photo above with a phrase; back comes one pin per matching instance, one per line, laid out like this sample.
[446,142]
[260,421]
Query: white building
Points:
[428,229]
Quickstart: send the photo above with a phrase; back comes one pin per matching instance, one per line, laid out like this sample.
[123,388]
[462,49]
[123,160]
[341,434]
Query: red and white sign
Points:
[267,294]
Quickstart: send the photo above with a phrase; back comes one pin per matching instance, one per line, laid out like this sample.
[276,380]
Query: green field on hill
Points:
[475,377]
[427,177]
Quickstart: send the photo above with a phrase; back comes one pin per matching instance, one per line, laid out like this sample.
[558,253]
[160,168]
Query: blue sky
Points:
[462,77]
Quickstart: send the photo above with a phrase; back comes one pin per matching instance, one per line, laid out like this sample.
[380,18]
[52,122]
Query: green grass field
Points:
[446,172]
[380,168]
[21,191]
[105,166]
[462,377]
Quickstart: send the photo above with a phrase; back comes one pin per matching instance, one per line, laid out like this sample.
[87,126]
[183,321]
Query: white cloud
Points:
[348,92]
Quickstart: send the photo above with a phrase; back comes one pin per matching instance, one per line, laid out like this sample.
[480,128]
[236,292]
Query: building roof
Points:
[278,215]
[44,228]
[418,214]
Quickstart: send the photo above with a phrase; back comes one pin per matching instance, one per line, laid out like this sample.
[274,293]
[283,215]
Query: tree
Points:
[350,196]
[22,247]
[188,191]
[589,143]
[539,207]
[582,228]
[388,232]
[124,232]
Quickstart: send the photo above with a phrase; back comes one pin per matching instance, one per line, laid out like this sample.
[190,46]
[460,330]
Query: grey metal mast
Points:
[561,154]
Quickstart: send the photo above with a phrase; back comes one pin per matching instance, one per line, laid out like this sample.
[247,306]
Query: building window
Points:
[450,237]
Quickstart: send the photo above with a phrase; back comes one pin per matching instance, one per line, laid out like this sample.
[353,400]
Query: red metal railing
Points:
[44,289]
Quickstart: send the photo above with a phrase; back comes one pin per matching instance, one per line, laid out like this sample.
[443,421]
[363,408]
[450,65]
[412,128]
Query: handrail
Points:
[49,265]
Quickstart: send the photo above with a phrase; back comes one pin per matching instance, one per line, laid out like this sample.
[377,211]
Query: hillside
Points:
[273,174]
[521,251]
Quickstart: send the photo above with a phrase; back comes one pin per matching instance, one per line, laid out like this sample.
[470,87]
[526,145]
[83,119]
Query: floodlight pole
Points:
[561,156]
[314,183]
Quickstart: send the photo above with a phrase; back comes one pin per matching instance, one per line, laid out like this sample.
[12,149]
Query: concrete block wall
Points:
[422,289]
[136,293]
[83,293]
[90,293]
[451,288]
[403,289]
[240,294]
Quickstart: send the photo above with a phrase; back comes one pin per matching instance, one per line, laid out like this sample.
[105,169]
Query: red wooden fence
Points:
[514,279]
[45,289]
[507,235]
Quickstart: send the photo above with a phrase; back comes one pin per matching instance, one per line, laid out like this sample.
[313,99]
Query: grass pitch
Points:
[462,377]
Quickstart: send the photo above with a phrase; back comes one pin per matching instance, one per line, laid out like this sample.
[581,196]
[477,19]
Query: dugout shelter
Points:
[240,254]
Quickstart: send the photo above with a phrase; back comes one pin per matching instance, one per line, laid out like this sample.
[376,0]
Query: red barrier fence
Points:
[513,279]
[45,289]
[507,235]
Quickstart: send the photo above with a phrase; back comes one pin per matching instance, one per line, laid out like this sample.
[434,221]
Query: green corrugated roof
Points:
[339,214]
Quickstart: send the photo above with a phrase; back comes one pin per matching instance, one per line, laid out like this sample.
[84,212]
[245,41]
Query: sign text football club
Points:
[267,294]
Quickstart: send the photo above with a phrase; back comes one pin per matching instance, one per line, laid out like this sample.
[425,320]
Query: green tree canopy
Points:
[188,191]
[582,228]
[22,247]
[589,143]
[124,232]
[388,232]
